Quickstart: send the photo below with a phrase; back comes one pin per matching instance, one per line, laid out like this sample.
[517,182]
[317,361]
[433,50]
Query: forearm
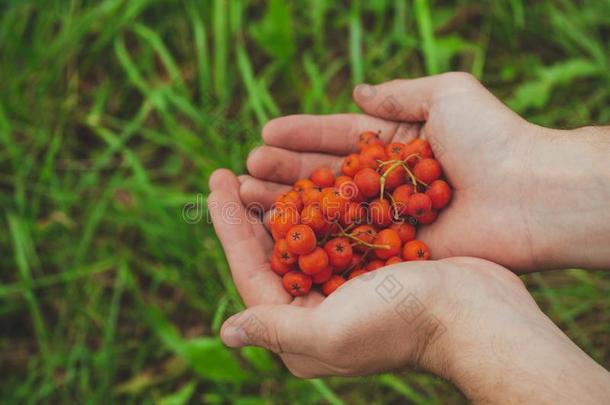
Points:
[510,360]
[568,198]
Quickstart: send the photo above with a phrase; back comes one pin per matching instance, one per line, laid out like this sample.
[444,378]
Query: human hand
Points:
[467,320]
[525,197]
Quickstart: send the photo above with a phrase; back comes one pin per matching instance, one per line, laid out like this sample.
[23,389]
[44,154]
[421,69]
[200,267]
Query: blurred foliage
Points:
[113,114]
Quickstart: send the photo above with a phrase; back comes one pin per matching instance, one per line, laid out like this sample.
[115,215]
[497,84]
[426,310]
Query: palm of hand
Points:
[366,325]
[468,129]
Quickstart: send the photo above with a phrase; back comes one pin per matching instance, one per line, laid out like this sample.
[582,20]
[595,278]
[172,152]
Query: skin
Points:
[550,186]
[467,320]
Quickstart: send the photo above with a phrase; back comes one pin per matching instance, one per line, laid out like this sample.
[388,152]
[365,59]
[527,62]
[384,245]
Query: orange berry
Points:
[415,250]
[380,213]
[323,177]
[280,249]
[400,196]
[356,272]
[333,203]
[339,252]
[428,217]
[419,204]
[405,231]
[312,195]
[390,239]
[280,268]
[282,219]
[314,262]
[297,283]
[364,233]
[322,276]
[303,184]
[351,165]
[427,170]
[369,138]
[440,193]
[301,239]
[312,216]
[375,264]
[394,150]
[332,284]
[393,260]
[368,182]
[370,155]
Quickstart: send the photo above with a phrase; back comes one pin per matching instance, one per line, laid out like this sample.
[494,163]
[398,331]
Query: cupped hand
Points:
[488,154]
[403,315]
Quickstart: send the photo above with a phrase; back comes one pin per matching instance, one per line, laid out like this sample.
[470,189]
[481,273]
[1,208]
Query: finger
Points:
[225,179]
[259,192]
[409,100]
[336,134]
[279,328]
[245,253]
[285,166]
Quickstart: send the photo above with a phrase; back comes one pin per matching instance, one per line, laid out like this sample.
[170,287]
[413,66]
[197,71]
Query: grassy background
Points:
[113,113]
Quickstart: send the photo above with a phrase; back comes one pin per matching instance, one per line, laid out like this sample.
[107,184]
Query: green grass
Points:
[113,114]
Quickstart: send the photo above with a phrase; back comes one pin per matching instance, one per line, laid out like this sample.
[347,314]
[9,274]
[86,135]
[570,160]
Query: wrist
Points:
[500,354]
[567,194]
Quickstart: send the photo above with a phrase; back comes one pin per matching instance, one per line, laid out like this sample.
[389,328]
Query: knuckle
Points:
[299,373]
[459,78]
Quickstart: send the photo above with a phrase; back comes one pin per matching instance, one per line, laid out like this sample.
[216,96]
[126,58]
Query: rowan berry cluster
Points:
[330,229]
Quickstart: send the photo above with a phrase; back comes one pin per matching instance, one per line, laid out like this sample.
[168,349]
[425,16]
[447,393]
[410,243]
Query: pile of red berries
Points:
[328,229]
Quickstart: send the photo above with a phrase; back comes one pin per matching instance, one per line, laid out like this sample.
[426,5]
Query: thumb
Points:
[279,328]
[408,99]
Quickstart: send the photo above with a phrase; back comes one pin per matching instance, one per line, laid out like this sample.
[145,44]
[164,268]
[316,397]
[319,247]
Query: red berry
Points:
[364,233]
[339,252]
[301,239]
[312,195]
[356,272]
[375,264]
[280,250]
[415,250]
[428,217]
[427,170]
[303,184]
[393,260]
[380,213]
[401,198]
[322,276]
[333,203]
[440,193]
[314,262]
[282,219]
[388,238]
[354,213]
[419,204]
[394,150]
[348,188]
[368,138]
[323,177]
[405,231]
[332,284]
[297,283]
[278,267]
[351,165]
[394,177]
[312,216]
[371,154]
[290,199]
[418,147]
[368,182]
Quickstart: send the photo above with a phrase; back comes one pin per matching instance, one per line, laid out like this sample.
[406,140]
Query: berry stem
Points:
[385,175]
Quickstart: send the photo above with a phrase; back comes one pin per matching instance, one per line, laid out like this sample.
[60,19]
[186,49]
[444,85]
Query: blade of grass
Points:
[426,33]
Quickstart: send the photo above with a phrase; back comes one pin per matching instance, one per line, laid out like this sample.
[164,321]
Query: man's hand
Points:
[467,320]
[525,197]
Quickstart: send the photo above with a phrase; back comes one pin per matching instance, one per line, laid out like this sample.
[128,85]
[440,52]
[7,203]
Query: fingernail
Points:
[234,336]
[364,91]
